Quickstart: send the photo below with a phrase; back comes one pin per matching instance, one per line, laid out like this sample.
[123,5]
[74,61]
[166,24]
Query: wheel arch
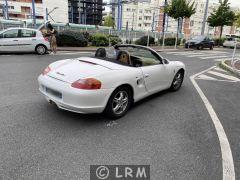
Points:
[40,45]
[126,85]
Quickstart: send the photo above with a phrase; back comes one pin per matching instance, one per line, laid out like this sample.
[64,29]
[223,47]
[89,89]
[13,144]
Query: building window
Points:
[140,11]
[139,25]
[140,18]
[191,23]
[147,17]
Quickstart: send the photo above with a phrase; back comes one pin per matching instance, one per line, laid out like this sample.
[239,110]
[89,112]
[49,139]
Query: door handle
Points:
[146,75]
[15,40]
[33,39]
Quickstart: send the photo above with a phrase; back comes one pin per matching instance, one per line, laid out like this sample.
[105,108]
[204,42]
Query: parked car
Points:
[200,42]
[111,81]
[23,40]
[230,42]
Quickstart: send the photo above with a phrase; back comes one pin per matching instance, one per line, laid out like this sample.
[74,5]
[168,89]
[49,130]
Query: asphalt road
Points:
[172,132]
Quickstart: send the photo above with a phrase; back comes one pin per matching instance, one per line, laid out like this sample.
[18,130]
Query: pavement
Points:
[172,132]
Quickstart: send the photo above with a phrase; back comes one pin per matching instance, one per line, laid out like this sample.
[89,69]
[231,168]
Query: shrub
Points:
[143,41]
[218,41]
[115,40]
[169,41]
[100,40]
[71,38]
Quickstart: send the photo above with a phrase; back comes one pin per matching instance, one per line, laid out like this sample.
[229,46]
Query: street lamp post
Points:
[119,25]
[33,13]
[48,13]
[6,9]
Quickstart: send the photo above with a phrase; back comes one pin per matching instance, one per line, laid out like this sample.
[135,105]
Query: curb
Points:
[224,66]
[78,50]
[93,50]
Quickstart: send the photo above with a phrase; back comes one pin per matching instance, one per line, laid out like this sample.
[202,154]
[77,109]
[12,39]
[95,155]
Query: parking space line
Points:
[202,76]
[227,159]
[213,57]
[225,76]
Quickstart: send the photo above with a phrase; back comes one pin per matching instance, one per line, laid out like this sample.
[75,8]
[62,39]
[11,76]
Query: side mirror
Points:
[165,61]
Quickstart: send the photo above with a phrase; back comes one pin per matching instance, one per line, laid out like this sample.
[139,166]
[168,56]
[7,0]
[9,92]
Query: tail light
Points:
[46,70]
[46,39]
[89,83]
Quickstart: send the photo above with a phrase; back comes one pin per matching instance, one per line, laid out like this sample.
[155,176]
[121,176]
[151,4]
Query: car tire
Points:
[41,49]
[177,81]
[119,103]
[200,47]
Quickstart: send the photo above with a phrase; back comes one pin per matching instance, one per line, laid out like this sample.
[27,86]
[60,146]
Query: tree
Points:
[109,21]
[237,20]
[180,9]
[222,16]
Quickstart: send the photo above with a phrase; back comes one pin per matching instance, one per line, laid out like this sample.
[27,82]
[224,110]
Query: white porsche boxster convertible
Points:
[111,81]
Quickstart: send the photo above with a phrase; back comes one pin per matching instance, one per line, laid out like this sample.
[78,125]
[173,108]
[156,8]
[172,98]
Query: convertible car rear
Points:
[111,81]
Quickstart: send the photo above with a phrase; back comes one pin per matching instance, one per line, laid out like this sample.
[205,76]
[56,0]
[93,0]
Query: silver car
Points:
[23,40]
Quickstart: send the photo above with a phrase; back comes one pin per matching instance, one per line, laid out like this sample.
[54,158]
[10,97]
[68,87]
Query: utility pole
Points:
[6,9]
[79,10]
[119,25]
[164,17]
[205,17]
[33,13]
[46,14]
[153,22]
[132,21]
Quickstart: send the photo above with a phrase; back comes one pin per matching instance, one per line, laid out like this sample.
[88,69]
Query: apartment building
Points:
[86,11]
[193,26]
[138,15]
[22,9]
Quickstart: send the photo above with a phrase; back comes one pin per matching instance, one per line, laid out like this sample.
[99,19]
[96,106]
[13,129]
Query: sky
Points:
[234,3]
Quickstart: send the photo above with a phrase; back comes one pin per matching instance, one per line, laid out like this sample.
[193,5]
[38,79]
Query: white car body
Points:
[23,41]
[230,42]
[144,81]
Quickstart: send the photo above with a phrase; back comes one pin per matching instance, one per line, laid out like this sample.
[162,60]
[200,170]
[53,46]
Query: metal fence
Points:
[125,35]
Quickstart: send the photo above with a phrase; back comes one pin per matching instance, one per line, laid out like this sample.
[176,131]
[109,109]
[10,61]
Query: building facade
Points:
[193,25]
[138,15]
[23,9]
[86,11]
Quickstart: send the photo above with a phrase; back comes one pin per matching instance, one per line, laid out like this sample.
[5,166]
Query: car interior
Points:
[135,57]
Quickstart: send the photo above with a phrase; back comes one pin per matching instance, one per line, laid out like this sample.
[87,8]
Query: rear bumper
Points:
[72,99]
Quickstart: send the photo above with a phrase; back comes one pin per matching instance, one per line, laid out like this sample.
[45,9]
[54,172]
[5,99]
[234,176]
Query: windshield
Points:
[198,38]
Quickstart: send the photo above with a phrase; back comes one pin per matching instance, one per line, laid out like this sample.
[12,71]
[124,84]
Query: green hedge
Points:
[71,38]
[218,41]
[143,41]
[100,40]
[115,40]
[169,41]
[103,40]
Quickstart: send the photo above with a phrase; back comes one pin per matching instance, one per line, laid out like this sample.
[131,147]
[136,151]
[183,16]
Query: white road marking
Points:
[5,55]
[225,76]
[202,76]
[219,69]
[227,159]
[221,59]
[213,57]
[70,53]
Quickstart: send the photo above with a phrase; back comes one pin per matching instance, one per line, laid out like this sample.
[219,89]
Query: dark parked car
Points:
[200,42]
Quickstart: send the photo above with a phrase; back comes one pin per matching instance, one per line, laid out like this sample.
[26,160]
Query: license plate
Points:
[53,92]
